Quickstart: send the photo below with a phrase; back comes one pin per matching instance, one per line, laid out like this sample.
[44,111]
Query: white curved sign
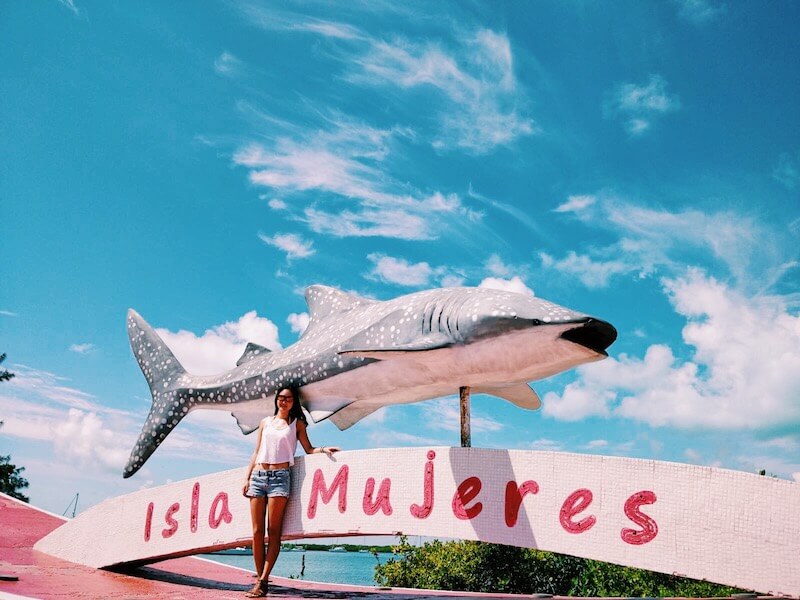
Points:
[725,526]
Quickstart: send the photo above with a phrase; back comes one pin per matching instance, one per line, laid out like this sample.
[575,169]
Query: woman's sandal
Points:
[259,590]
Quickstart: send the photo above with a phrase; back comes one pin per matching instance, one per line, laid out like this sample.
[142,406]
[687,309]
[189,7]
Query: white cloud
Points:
[210,434]
[298,321]
[82,437]
[476,96]
[787,443]
[50,387]
[330,29]
[787,171]
[744,246]
[68,428]
[70,4]
[452,281]
[342,166]
[497,267]
[576,204]
[273,19]
[277,204]
[744,373]
[693,456]
[515,284]
[400,271]
[384,438]
[577,402]
[520,216]
[649,239]
[696,458]
[291,243]
[651,97]
[636,126]
[28,419]
[597,444]
[8,313]
[218,349]
[637,105]
[479,92]
[699,12]
[82,348]
[546,444]
[35,413]
[445,414]
[308,167]
[370,223]
[341,158]
[592,273]
[227,64]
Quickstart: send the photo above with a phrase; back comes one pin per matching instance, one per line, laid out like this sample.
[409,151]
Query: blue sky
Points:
[638,161]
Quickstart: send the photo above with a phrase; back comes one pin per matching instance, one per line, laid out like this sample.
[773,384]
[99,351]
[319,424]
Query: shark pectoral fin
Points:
[322,408]
[352,414]
[250,352]
[248,420]
[520,394]
[320,415]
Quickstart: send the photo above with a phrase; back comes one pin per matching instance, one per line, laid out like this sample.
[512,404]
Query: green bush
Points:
[480,567]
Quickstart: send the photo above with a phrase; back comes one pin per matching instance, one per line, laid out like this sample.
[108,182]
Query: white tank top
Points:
[278,444]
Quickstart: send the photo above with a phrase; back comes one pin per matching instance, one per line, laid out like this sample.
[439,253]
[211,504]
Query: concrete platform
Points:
[43,576]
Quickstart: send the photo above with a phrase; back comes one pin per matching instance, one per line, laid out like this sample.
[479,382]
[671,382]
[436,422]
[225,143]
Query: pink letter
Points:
[381,501]
[318,488]
[148,521]
[467,492]
[577,502]
[422,512]
[514,496]
[221,502]
[649,527]
[195,504]
[173,524]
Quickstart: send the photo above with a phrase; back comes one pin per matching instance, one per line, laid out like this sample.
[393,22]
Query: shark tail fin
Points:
[163,373]
[156,360]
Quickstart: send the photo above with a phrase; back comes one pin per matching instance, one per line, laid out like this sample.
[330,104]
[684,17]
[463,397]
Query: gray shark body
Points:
[358,355]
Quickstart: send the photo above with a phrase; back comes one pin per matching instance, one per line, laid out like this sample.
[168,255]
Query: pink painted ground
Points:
[43,576]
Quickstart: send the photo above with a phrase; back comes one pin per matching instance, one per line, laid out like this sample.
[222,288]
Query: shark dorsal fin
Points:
[324,301]
[250,352]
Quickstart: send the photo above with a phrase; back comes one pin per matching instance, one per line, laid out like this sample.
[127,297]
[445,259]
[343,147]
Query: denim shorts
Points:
[269,483]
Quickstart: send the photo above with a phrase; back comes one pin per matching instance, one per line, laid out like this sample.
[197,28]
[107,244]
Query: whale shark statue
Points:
[358,355]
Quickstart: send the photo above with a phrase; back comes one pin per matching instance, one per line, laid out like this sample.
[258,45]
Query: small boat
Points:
[363,550]
[338,549]
[297,549]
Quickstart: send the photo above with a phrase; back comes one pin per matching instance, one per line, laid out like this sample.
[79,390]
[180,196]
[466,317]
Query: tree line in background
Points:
[481,567]
[11,479]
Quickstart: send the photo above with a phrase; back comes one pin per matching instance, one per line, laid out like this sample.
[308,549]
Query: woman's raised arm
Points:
[302,437]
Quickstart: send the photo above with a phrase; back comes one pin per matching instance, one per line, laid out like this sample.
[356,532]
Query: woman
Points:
[268,479]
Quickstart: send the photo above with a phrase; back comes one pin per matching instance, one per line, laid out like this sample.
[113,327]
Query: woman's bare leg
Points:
[258,510]
[276,507]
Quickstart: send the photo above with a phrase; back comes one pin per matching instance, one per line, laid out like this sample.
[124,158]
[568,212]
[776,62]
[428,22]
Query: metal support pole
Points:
[463,397]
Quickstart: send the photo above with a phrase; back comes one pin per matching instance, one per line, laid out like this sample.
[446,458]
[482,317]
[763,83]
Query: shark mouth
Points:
[593,334]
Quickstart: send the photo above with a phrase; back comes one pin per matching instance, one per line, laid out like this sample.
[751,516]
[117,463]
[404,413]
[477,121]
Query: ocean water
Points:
[355,568]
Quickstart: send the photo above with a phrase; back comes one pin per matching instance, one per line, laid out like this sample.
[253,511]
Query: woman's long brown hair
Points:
[296,412]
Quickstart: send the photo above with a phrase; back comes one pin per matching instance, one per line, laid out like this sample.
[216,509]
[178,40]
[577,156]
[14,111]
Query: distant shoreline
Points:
[315,547]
